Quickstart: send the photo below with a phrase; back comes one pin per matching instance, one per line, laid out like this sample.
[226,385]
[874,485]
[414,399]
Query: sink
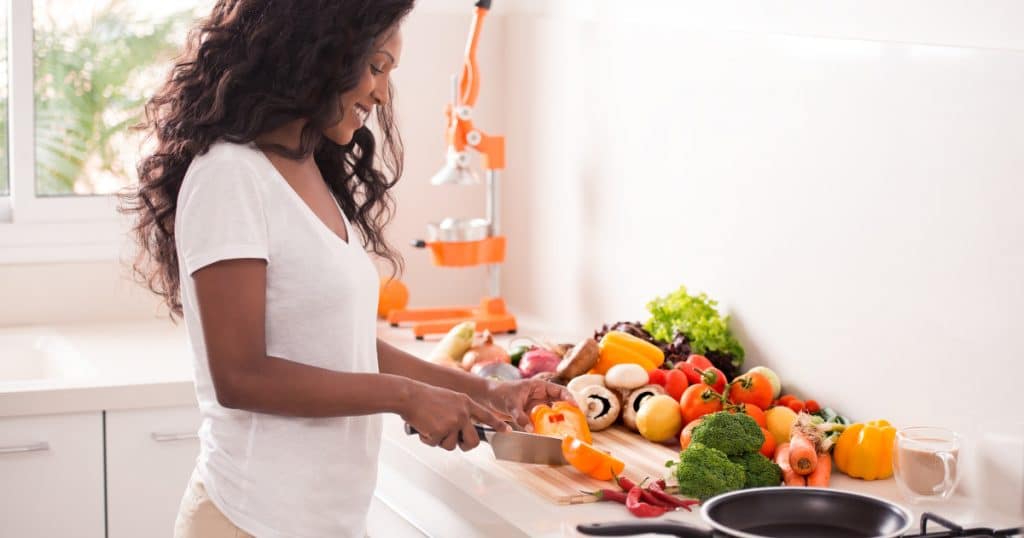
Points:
[39,354]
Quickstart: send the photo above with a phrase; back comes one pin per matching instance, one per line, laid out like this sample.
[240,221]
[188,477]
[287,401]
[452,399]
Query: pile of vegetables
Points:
[461,348]
[676,377]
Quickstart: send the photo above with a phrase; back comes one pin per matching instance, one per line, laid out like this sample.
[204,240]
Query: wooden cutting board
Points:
[563,484]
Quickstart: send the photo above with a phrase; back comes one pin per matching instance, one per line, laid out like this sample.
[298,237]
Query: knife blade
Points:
[518,446]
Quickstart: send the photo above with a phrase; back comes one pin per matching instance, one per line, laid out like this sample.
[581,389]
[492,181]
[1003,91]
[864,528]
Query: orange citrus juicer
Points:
[466,242]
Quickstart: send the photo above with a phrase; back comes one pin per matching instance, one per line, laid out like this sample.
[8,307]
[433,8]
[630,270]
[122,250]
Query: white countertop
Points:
[147,364]
[87,367]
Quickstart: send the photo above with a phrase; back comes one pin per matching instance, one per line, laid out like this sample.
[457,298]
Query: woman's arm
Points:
[232,303]
[397,362]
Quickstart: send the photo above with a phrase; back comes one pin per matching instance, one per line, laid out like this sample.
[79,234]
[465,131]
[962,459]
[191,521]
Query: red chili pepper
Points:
[660,483]
[648,496]
[608,495]
[642,509]
[671,500]
[625,483]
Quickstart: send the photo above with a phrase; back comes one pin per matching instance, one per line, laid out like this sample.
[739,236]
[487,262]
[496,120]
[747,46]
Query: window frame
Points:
[45,228]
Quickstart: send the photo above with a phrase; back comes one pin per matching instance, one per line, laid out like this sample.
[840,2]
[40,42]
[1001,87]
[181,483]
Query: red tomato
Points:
[699,400]
[657,376]
[768,447]
[751,389]
[675,384]
[715,378]
[785,399]
[812,406]
[754,411]
[687,435]
[795,405]
[692,364]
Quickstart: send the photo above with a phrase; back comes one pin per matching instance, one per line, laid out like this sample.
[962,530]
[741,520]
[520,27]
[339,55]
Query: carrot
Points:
[822,472]
[788,476]
[802,454]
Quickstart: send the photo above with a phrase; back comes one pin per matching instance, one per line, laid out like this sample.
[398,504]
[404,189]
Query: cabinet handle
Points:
[34,447]
[166,437]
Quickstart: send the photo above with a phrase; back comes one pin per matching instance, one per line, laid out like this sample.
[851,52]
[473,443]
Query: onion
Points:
[497,370]
[484,353]
[539,360]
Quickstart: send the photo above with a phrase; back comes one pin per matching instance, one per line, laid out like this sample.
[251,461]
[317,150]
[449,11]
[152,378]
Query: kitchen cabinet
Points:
[150,457]
[51,476]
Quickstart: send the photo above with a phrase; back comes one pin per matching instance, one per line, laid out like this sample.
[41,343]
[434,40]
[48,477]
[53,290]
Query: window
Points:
[73,83]
[96,62]
[5,188]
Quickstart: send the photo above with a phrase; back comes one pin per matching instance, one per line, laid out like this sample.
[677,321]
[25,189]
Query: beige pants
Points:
[198,517]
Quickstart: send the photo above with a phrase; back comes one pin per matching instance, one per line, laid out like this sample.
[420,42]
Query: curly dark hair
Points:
[250,67]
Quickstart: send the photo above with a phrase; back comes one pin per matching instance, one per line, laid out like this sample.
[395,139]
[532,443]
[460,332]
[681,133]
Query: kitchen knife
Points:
[518,446]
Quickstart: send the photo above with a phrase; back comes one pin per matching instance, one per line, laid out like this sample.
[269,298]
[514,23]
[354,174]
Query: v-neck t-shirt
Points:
[276,476]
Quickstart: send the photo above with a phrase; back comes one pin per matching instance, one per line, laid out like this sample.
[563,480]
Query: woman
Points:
[253,215]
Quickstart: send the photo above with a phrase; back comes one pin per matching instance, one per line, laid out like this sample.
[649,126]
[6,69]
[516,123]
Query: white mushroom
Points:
[579,383]
[635,400]
[601,406]
[626,377]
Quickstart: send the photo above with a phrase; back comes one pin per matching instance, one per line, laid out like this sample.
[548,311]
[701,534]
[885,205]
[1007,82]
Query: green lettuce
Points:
[696,317]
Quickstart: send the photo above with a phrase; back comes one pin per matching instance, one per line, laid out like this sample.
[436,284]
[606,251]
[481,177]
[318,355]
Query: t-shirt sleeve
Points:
[220,216]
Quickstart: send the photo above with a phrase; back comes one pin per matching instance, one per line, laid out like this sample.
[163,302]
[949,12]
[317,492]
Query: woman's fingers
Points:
[484,416]
[450,441]
[558,393]
[469,438]
[519,417]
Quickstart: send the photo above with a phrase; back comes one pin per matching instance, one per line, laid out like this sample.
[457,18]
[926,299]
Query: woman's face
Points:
[357,104]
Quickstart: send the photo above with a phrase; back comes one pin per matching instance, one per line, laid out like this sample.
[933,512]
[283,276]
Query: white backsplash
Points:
[855,204]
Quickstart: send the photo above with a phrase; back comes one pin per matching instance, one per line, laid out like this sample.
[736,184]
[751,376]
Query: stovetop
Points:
[952,529]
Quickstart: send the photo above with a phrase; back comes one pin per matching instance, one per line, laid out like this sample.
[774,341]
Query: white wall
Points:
[850,192]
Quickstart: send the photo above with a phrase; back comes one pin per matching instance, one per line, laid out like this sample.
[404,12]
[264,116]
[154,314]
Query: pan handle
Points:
[630,528]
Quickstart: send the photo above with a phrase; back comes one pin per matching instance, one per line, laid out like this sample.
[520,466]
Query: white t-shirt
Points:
[276,476]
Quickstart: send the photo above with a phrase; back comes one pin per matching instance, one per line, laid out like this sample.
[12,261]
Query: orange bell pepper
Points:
[560,420]
[617,347]
[591,461]
[864,450]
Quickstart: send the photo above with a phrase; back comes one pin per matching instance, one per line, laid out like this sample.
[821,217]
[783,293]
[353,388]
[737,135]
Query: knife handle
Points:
[481,430]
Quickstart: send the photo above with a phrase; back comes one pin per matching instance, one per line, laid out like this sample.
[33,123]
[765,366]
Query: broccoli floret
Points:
[704,472]
[733,433]
[758,470]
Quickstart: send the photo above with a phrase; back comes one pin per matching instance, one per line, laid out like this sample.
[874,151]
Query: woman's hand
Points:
[441,415]
[518,398]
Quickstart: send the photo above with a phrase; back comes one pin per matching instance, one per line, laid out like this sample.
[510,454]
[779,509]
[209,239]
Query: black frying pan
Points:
[779,512]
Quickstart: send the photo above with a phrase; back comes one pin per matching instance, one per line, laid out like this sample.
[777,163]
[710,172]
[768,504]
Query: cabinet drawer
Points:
[51,476]
[150,456]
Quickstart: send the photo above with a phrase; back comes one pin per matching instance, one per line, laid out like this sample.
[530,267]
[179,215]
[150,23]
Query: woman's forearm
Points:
[282,387]
[397,362]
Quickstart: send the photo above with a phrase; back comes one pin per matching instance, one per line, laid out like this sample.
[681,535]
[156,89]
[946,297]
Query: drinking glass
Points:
[925,463]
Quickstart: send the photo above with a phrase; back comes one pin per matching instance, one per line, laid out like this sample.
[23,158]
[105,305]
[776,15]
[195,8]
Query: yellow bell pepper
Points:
[864,450]
[562,419]
[617,347]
